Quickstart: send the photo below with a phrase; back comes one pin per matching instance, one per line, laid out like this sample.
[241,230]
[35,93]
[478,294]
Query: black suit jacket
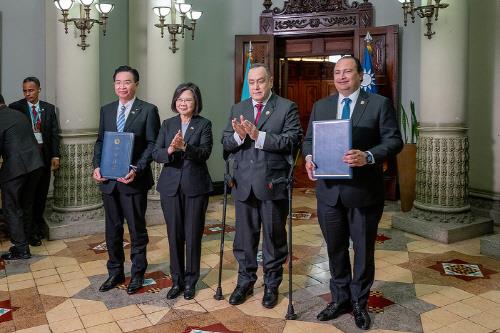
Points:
[49,127]
[144,122]
[186,169]
[374,128]
[255,169]
[18,147]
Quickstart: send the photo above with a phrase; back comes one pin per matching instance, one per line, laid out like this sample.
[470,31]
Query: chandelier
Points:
[83,23]
[176,13]
[428,12]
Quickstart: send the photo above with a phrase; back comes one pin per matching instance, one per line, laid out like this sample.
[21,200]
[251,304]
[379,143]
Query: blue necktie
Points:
[346,110]
[120,123]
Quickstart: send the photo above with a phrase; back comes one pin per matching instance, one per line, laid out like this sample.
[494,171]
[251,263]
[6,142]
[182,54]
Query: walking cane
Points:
[290,315]
[228,182]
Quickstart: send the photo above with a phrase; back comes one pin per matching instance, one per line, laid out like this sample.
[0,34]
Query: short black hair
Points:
[129,69]
[196,95]
[2,101]
[32,79]
[359,67]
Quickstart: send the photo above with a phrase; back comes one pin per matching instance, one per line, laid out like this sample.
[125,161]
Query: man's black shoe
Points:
[189,292]
[112,282]
[14,254]
[270,298]
[361,316]
[333,310]
[174,292]
[135,284]
[240,294]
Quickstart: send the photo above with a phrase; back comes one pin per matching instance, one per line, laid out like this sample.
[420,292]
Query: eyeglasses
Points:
[184,100]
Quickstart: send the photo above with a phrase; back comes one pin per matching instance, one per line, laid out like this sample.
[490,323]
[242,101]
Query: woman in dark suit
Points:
[183,146]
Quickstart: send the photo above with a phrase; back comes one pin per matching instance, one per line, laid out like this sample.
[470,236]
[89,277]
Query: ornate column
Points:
[77,208]
[441,208]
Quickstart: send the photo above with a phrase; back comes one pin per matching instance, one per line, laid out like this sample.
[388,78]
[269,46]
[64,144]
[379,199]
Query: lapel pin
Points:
[191,128]
[362,102]
[267,113]
[133,112]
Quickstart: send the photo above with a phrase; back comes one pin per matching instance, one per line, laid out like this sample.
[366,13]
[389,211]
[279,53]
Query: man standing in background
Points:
[42,116]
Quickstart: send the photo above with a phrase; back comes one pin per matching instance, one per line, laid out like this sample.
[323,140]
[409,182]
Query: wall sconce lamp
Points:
[424,11]
[84,23]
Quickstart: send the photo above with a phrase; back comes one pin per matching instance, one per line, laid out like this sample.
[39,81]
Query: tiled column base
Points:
[443,227]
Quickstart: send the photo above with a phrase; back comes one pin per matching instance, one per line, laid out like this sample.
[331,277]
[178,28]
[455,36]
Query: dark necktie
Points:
[346,110]
[36,121]
[259,107]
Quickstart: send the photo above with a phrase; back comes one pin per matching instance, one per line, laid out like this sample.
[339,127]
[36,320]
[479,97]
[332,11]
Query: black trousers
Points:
[131,207]
[339,223]
[41,191]
[185,219]
[17,202]
[250,215]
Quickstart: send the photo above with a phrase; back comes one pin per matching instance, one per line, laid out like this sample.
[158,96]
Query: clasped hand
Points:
[244,127]
[177,143]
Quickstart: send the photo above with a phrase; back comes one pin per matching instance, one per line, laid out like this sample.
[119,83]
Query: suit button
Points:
[251,161]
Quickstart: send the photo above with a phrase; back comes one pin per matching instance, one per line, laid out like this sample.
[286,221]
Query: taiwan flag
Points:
[368,83]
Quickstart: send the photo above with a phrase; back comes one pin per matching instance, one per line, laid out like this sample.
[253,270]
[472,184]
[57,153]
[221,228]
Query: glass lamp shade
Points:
[161,11]
[63,4]
[182,8]
[194,15]
[104,8]
[86,2]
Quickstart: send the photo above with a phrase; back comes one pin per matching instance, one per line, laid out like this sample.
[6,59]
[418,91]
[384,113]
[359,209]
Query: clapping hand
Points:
[249,128]
[177,143]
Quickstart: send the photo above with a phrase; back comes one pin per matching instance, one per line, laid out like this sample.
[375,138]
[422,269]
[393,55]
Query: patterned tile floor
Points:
[421,286]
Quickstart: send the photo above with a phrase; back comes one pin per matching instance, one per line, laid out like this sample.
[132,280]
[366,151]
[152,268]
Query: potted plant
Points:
[407,158]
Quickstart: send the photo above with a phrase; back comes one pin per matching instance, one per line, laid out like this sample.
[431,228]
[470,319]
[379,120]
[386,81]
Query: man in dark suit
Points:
[352,208]
[126,198]
[260,136]
[21,168]
[42,116]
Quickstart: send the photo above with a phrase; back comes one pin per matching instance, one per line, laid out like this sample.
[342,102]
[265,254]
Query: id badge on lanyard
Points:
[35,122]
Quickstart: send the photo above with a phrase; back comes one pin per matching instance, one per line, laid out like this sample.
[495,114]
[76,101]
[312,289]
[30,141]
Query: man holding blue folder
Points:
[352,208]
[126,197]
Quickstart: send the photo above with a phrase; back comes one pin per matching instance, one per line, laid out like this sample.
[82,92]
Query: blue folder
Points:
[331,140]
[116,155]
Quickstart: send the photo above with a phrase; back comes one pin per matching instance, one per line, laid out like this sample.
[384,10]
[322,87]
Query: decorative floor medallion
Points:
[215,328]
[376,301]
[216,229]
[462,270]
[6,311]
[381,238]
[102,247]
[153,283]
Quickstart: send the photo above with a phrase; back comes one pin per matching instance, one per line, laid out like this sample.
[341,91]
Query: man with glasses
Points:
[126,198]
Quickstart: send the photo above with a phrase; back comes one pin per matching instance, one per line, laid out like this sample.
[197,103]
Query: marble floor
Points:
[421,286]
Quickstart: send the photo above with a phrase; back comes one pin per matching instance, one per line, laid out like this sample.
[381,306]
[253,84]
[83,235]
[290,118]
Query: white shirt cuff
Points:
[259,143]
[238,139]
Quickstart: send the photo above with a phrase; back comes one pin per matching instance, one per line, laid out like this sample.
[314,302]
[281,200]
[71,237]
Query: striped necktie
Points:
[346,110]
[120,123]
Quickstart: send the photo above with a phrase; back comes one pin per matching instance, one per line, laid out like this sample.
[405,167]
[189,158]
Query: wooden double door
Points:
[302,66]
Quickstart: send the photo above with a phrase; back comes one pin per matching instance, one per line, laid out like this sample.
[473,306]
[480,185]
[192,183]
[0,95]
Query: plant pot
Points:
[407,174]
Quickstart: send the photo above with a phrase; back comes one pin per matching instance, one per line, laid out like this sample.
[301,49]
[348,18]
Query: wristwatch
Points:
[369,158]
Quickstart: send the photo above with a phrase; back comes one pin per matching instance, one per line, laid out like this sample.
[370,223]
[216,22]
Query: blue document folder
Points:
[331,140]
[116,155]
